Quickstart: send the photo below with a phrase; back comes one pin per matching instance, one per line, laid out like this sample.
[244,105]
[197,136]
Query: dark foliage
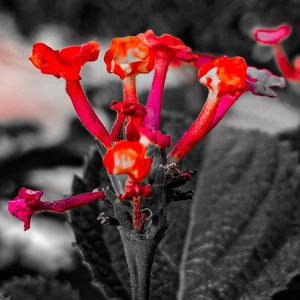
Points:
[239,237]
[89,233]
[31,288]
[210,26]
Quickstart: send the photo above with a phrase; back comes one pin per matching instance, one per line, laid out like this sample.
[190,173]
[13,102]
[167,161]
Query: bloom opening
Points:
[127,157]
[128,56]
[66,62]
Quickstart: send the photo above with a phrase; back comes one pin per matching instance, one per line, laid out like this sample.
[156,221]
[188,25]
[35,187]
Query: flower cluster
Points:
[137,126]
[274,37]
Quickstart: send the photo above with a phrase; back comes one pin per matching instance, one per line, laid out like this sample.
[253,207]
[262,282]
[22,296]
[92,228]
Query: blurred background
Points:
[42,144]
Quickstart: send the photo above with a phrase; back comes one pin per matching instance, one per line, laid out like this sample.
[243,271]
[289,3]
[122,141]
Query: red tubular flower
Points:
[224,77]
[28,202]
[167,48]
[67,63]
[274,38]
[134,113]
[128,57]
[135,130]
[129,158]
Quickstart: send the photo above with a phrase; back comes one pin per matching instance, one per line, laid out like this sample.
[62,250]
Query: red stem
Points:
[138,219]
[197,130]
[86,113]
[284,65]
[60,206]
[117,127]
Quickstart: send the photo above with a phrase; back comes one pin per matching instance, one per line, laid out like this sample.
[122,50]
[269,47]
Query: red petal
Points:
[272,36]
[66,62]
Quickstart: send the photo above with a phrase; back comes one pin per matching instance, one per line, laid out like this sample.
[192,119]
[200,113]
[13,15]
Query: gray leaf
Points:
[239,238]
[261,82]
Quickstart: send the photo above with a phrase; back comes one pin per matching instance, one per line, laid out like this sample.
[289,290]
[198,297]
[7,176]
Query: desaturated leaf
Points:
[238,238]
[238,229]
[31,288]
[89,233]
[293,136]
[261,82]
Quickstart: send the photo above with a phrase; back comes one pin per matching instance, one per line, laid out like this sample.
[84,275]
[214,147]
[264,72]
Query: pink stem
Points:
[284,65]
[60,206]
[154,102]
[86,113]
[225,104]
[129,89]
[200,127]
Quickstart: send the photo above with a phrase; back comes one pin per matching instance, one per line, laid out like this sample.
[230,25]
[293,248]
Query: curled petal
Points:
[200,59]
[128,56]
[154,137]
[271,36]
[25,205]
[127,157]
[135,189]
[165,45]
[135,110]
[66,62]
[134,113]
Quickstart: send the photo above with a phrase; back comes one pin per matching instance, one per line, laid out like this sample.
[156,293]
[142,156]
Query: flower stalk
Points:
[62,205]
[28,202]
[129,89]
[138,218]
[274,38]
[86,113]
[197,130]
[154,102]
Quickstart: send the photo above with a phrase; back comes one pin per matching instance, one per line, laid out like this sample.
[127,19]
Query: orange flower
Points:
[66,62]
[128,158]
[166,45]
[128,56]
[224,75]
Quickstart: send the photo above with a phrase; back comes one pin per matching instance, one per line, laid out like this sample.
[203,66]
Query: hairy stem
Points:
[117,127]
[129,89]
[200,127]
[60,206]
[138,218]
[86,113]
[140,254]
[154,102]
